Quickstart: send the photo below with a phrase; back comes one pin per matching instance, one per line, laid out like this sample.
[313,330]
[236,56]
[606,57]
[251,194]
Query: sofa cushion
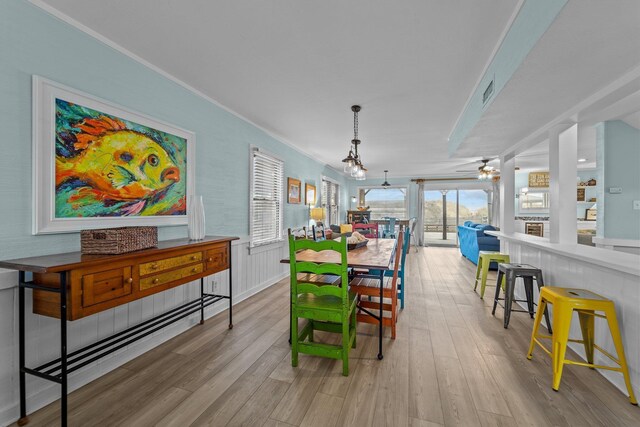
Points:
[484,227]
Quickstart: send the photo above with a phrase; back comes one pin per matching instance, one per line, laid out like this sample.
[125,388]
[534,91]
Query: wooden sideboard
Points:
[71,286]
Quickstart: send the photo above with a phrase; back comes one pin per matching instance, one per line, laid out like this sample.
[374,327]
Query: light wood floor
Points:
[452,364]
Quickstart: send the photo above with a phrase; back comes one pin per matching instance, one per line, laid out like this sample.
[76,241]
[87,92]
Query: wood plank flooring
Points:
[451,364]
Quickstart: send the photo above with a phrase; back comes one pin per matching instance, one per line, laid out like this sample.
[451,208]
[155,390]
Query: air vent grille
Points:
[487,93]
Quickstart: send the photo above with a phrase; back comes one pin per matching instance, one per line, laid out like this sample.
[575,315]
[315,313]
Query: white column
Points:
[563,169]
[507,193]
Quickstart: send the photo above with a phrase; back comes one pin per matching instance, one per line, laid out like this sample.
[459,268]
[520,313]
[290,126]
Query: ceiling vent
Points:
[488,92]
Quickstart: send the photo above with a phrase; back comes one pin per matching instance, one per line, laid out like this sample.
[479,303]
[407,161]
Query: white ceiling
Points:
[295,67]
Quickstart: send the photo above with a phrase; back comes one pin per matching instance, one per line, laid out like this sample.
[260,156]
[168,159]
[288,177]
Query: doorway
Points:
[444,210]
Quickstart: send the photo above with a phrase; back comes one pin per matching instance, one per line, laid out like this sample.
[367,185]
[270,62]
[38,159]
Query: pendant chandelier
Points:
[353,162]
[385,184]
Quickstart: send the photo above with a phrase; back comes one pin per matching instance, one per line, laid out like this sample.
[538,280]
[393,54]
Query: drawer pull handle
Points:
[130,280]
[193,257]
[194,270]
[154,281]
[154,266]
[210,260]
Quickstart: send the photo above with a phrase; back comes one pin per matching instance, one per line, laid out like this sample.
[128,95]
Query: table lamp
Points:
[316,214]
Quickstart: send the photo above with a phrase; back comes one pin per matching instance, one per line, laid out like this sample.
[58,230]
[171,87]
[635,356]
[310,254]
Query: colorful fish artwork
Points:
[106,166]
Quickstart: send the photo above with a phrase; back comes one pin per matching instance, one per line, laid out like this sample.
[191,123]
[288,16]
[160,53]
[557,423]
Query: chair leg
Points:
[311,325]
[586,325]
[294,337]
[540,283]
[345,344]
[617,341]
[559,339]
[508,297]
[394,304]
[485,272]
[528,290]
[542,305]
[495,300]
[478,270]
[401,294]
[354,324]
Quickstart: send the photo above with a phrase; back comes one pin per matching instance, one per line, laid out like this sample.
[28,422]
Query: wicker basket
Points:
[113,241]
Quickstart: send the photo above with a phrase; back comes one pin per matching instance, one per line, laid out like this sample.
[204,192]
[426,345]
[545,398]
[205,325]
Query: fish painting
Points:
[106,166]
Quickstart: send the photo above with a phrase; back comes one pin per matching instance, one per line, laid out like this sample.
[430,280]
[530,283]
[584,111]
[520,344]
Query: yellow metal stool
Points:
[565,301]
[485,258]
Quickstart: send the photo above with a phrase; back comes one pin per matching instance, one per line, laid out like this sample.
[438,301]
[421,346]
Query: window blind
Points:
[267,181]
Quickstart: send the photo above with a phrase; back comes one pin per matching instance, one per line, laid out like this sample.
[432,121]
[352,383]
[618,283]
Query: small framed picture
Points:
[581,194]
[293,190]
[310,194]
[590,214]
[534,228]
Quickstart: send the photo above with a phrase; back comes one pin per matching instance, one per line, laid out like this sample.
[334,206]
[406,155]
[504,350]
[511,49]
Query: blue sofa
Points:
[472,240]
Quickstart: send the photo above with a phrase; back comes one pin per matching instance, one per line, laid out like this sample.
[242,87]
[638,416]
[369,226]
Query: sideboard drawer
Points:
[218,258]
[170,276]
[106,285]
[168,263]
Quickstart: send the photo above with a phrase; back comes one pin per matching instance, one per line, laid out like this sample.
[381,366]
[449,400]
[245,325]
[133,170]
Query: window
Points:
[385,202]
[267,181]
[331,201]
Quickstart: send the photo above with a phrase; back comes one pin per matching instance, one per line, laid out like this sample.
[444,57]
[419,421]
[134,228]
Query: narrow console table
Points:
[71,286]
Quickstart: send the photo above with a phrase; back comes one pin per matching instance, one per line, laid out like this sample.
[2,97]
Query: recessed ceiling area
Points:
[295,68]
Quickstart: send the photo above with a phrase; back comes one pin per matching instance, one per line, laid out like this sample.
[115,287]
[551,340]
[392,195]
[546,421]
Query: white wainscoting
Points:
[622,287]
[251,274]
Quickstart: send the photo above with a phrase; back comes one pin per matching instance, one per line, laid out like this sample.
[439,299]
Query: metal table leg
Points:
[230,288]
[380,330]
[63,348]
[23,392]
[202,300]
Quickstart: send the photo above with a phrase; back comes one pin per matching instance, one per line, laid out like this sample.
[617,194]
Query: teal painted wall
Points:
[33,42]
[618,160]
[532,21]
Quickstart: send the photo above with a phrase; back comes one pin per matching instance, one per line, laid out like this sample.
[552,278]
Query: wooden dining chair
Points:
[318,279]
[329,308]
[369,231]
[318,232]
[369,286]
[389,228]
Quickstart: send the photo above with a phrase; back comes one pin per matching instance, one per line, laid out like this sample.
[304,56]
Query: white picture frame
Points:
[45,221]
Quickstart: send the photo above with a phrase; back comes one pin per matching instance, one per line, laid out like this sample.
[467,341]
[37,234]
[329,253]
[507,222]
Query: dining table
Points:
[377,255]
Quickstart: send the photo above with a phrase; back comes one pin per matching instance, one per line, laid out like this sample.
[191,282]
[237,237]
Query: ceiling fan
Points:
[484,171]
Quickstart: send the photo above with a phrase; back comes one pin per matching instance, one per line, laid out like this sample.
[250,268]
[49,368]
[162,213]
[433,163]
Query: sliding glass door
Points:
[440,212]
[444,210]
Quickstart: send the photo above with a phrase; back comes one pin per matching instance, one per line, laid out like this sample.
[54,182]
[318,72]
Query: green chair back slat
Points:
[310,288]
[323,245]
[312,267]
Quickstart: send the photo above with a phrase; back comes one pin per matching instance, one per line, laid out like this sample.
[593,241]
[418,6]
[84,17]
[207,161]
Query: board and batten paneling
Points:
[622,288]
[252,272]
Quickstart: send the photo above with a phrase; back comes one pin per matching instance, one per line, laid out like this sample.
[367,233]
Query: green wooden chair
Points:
[329,308]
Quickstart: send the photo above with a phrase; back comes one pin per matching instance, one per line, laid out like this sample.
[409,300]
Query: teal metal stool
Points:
[485,258]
